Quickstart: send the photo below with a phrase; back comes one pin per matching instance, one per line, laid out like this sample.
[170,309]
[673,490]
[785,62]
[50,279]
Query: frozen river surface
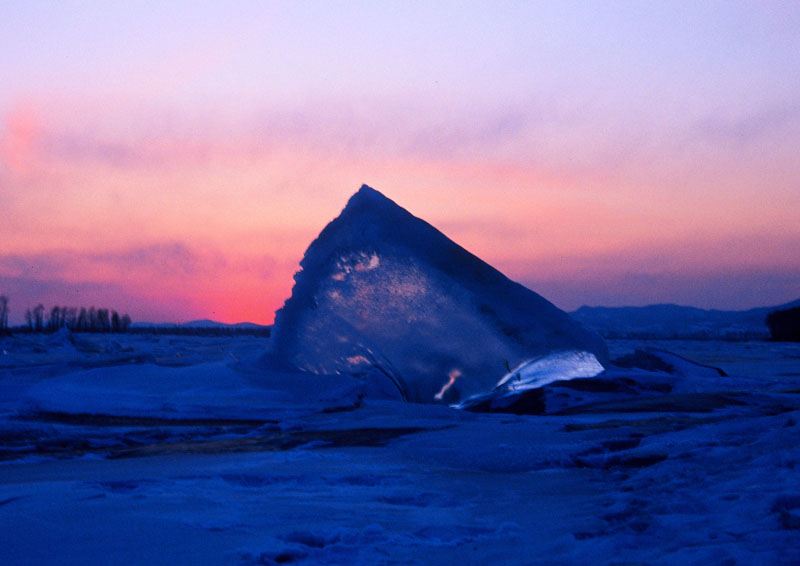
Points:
[171,450]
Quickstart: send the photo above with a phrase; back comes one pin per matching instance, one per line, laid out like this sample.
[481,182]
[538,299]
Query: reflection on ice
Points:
[356,262]
[536,373]
[550,368]
[451,379]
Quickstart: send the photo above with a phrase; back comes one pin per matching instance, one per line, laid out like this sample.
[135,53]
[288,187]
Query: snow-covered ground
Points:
[183,450]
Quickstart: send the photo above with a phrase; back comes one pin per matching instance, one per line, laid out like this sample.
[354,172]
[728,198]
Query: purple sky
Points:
[175,159]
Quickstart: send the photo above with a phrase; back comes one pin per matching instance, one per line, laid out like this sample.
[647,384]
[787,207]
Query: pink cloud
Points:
[18,142]
[233,204]
[750,128]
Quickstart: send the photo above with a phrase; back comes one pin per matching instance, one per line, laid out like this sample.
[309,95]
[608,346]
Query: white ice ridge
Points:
[536,373]
[385,295]
[547,369]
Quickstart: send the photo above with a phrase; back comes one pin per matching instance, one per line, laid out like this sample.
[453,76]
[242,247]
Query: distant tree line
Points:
[3,314]
[784,325]
[203,330]
[40,319]
[76,319]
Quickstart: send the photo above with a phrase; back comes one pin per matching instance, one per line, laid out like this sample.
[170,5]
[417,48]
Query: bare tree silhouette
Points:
[38,317]
[3,313]
[83,320]
[78,320]
[103,322]
[54,323]
[68,315]
[784,325]
[115,325]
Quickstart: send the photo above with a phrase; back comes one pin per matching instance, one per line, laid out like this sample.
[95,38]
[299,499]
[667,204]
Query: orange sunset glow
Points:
[179,172]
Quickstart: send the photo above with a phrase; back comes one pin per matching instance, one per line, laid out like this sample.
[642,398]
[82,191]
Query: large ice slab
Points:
[383,292]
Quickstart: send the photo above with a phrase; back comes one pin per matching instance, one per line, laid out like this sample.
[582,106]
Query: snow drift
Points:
[383,293]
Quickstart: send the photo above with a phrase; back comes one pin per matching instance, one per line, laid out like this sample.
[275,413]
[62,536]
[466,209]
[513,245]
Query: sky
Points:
[173,160]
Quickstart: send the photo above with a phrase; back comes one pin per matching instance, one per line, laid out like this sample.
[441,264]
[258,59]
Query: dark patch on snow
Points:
[287,556]
[631,515]
[63,447]
[531,402]
[119,486]
[642,461]
[686,361]
[366,480]
[597,385]
[424,499]
[614,454]
[356,436]
[252,480]
[123,486]
[617,445]
[87,419]
[452,534]
[568,396]
[95,497]
[670,403]
[79,440]
[643,360]
[316,542]
[654,425]
[787,507]
[617,462]
[275,442]
[4,502]
[356,404]
[47,445]
[310,539]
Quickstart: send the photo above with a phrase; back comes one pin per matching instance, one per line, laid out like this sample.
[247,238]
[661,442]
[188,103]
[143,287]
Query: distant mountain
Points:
[675,321]
[208,323]
[203,327]
[202,323]
[252,325]
[145,324]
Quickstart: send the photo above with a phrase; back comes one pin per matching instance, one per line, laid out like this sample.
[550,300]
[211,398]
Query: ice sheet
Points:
[657,478]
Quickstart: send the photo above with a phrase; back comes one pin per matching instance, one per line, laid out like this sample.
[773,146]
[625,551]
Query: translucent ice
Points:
[534,374]
[550,368]
[382,292]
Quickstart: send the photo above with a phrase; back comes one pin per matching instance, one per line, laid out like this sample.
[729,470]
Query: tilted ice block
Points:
[381,290]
